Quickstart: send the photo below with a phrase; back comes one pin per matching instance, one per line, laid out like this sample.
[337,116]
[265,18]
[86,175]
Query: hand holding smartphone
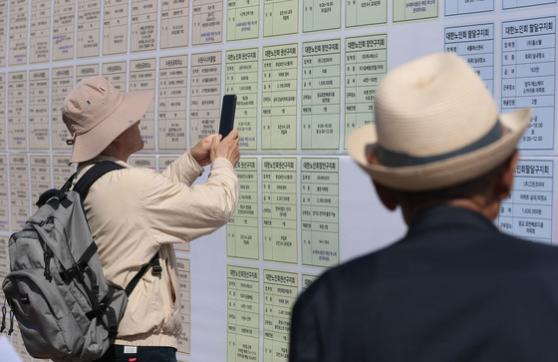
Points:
[228,108]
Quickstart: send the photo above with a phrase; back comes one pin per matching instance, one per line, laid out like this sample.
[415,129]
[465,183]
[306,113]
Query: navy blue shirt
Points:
[453,289]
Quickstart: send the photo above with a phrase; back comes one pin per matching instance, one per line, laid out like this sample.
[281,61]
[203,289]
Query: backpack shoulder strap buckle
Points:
[76,269]
[156,268]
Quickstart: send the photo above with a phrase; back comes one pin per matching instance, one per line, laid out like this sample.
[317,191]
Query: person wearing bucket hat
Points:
[454,288]
[135,213]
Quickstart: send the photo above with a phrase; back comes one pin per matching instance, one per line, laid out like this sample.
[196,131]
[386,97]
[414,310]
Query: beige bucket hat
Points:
[436,125]
[95,113]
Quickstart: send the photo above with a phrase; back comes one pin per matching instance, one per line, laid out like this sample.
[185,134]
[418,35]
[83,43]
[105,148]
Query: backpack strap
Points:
[154,262]
[93,174]
[82,187]
[103,307]
[68,184]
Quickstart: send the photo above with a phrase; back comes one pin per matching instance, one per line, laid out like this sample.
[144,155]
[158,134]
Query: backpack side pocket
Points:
[40,318]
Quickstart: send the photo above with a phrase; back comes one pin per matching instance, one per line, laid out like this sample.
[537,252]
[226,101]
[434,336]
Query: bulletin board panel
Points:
[305,73]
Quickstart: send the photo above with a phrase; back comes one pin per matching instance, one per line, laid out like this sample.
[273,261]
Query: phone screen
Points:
[227,114]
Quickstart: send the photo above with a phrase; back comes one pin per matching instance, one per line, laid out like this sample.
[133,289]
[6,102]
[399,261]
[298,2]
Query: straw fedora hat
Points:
[436,126]
[95,113]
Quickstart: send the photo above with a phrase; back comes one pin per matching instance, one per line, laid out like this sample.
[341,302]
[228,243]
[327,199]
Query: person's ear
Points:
[505,183]
[386,195]
[120,139]
[116,143]
[502,185]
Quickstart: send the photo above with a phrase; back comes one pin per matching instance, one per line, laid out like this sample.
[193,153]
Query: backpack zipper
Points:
[3,326]
[11,330]
[47,256]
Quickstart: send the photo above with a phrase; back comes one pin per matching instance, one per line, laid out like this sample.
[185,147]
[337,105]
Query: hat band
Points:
[396,159]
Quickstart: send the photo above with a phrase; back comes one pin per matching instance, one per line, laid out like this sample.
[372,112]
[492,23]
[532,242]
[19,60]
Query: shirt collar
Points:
[444,216]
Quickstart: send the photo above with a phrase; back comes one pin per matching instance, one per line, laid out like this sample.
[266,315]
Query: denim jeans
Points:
[144,354]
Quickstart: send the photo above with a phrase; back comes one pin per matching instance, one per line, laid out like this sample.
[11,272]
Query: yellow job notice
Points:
[280,292]
[242,19]
[241,78]
[279,209]
[321,98]
[321,15]
[279,99]
[243,314]
[280,17]
[320,211]
[365,66]
[405,10]
[242,229]
[366,12]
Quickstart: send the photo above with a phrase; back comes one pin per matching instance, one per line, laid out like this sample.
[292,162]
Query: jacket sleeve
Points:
[305,342]
[178,211]
[185,169]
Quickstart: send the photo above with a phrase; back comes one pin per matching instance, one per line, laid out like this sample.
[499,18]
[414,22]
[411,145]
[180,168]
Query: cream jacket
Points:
[135,212]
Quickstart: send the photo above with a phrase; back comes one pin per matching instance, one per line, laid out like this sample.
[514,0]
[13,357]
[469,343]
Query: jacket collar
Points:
[102,158]
[85,166]
[445,216]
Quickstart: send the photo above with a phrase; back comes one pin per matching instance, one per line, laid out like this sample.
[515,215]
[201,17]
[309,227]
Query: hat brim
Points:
[132,108]
[447,172]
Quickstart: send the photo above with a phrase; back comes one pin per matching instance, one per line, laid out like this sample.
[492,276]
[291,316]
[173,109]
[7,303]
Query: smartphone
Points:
[227,114]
